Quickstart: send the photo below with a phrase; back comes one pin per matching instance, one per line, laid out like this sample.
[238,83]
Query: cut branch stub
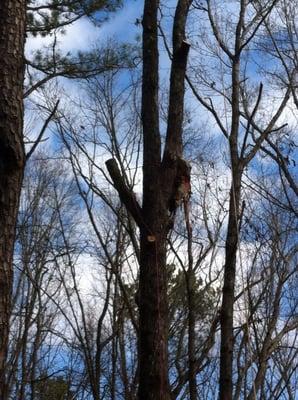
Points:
[127,196]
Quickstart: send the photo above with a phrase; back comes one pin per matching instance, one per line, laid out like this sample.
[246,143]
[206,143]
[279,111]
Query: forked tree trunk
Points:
[153,376]
[159,178]
[12,158]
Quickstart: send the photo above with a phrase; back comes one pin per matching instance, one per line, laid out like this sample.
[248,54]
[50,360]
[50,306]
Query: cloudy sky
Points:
[121,26]
[83,33]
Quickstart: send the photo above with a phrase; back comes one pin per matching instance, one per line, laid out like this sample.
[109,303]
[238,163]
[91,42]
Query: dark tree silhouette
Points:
[12,157]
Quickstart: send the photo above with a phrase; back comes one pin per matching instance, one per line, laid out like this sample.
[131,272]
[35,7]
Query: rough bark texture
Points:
[227,309]
[192,361]
[190,279]
[12,158]
[158,182]
[153,379]
[153,218]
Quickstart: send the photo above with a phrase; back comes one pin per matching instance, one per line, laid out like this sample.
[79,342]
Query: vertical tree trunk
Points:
[114,355]
[191,300]
[12,159]
[193,393]
[153,383]
[153,219]
[123,363]
[227,309]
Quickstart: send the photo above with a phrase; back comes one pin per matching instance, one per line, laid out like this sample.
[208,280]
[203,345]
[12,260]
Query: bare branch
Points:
[126,195]
[43,129]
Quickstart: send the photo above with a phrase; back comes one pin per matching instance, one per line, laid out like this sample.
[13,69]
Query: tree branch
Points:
[43,129]
[126,195]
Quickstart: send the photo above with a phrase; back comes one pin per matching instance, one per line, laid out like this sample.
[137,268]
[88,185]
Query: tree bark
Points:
[12,157]
[227,308]
[153,218]
[158,182]
[192,361]
[231,244]
[190,278]
[153,357]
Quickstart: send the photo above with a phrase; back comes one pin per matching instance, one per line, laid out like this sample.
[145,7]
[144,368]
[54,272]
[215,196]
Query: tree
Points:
[227,45]
[155,217]
[53,389]
[12,155]
[278,41]
[240,227]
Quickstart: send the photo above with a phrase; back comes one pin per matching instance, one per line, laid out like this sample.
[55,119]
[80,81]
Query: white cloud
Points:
[83,33]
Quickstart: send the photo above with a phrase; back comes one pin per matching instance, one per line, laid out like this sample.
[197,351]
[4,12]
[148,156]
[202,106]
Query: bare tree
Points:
[160,173]
[240,226]
[244,140]
[37,294]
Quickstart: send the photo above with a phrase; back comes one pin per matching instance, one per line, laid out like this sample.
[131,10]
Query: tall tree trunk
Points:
[191,302]
[12,158]
[159,179]
[227,309]
[228,297]
[153,380]
[193,393]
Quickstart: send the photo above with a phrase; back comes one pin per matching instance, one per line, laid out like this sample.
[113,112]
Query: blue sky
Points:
[83,33]
[121,26]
